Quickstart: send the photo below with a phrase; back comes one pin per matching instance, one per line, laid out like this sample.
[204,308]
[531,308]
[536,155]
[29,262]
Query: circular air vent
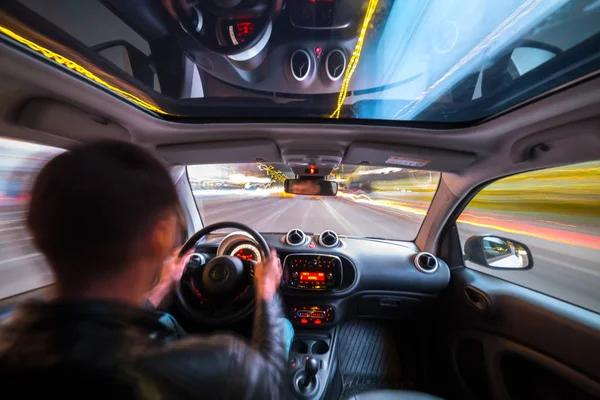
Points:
[426,262]
[300,65]
[335,64]
[328,239]
[295,237]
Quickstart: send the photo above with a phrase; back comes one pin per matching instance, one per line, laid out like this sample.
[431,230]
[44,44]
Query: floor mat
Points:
[368,359]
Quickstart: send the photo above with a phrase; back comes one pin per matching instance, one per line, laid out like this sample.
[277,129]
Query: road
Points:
[277,214]
[569,272]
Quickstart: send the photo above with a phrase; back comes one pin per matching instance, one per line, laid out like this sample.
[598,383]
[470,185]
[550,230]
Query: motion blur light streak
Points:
[73,66]
[503,27]
[355,58]
[363,198]
[557,223]
[571,238]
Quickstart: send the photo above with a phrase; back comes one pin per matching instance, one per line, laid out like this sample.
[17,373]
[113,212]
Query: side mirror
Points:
[129,58]
[310,187]
[497,253]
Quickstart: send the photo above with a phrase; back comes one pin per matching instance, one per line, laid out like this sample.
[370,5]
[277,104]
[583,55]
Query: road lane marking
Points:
[306,214]
[25,257]
[342,220]
[16,240]
[279,212]
[12,229]
[11,221]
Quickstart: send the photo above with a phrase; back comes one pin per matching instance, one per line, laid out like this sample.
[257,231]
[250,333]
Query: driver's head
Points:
[101,209]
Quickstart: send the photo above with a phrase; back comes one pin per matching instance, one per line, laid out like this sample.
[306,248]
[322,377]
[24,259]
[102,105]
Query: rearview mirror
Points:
[497,252]
[310,187]
[129,58]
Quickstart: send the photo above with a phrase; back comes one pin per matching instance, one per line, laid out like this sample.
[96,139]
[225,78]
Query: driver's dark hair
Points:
[90,207]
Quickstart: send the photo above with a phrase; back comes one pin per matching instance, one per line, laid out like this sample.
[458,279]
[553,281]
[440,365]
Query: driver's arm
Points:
[264,368]
[267,334]
[224,366]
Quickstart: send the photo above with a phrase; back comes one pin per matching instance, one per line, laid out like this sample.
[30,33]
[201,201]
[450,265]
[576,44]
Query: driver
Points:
[105,215]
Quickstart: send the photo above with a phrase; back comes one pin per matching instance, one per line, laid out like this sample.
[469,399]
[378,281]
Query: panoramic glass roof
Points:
[443,61]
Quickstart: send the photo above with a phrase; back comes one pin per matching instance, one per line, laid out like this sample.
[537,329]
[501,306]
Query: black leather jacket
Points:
[108,350]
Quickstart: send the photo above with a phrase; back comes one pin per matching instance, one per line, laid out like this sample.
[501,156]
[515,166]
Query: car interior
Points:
[428,172]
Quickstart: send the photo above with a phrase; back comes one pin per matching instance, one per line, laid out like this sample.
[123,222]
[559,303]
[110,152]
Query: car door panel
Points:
[554,344]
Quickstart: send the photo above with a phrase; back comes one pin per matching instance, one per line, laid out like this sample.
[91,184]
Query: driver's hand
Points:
[161,294]
[173,268]
[267,276]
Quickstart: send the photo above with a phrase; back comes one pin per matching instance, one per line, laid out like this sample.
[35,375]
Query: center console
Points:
[312,271]
[309,279]
[311,362]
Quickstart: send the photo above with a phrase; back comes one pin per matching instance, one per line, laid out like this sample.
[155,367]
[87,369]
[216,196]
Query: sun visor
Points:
[240,151]
[408,157]
[66,121]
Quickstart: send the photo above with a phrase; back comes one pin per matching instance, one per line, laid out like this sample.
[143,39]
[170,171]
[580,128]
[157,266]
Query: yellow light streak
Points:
[73,66]
[273,173]
[355,58]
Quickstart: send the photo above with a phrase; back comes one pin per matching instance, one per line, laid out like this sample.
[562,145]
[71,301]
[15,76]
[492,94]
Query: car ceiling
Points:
[40,103]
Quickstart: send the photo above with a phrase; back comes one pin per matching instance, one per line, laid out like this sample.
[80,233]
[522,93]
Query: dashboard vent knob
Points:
[300,64]
[295,237]
[328,239]
[426,262]
[335,64]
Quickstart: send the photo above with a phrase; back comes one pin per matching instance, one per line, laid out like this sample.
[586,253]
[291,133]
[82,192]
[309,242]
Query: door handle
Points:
[478,299]
[390,302]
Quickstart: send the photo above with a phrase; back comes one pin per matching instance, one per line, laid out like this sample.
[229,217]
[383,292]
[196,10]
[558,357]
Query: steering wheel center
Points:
[222,274]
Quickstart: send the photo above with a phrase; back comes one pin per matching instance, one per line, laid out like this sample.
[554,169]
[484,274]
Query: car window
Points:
[556,214]
[22,267]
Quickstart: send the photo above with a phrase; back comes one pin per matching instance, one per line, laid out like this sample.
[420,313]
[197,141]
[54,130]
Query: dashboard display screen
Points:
[245,254]
[312,276]
[243,29]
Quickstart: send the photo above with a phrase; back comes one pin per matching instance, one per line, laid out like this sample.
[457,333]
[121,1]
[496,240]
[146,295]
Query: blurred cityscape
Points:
[22,268]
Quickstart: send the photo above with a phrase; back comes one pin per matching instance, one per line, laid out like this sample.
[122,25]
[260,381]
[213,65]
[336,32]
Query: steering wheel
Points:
[221,291]
[227,27]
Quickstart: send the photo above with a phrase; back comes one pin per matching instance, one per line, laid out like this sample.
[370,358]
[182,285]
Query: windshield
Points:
[437,61]
[380,202]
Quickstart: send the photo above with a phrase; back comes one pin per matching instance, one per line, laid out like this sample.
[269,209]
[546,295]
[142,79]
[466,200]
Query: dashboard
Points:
[329,278]
[285,48]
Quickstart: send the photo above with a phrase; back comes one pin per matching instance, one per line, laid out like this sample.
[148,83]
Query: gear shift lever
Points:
[311,368]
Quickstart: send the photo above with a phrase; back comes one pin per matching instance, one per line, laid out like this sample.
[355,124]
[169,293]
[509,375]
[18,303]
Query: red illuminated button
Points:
[303,313]
[317,322]
[304,321]
[318,314]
